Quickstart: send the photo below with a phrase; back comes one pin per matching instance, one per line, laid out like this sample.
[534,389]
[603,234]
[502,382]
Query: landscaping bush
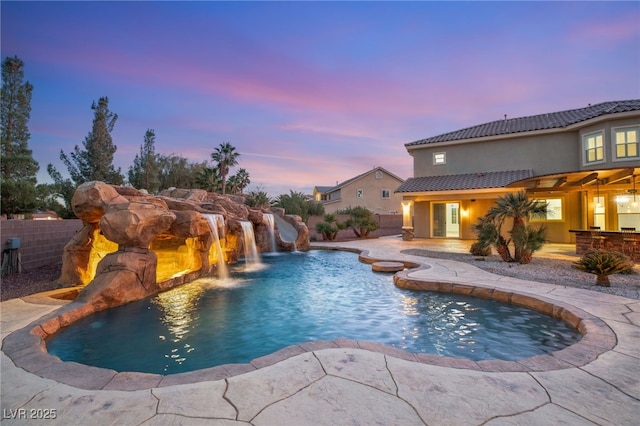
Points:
[480,249]
[524,239]
[362,221]
[604,263]
[330,227]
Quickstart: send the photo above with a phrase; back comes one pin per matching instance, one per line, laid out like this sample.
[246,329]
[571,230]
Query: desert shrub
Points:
[480,249]
[329,227]
[603,263]
[361,221]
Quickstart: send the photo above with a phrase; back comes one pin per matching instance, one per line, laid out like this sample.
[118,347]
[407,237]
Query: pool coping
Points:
[27,349]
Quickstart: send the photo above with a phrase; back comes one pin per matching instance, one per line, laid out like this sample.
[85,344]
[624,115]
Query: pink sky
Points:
[310,93]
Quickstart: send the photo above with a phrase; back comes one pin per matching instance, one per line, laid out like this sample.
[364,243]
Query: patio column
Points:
[407,221]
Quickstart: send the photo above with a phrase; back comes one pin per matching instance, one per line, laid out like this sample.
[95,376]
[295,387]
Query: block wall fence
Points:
[41,241]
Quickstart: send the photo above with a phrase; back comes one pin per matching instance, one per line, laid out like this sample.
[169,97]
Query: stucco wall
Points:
[372,196]
[608,128]
[41,241]
[473,208]
[543,154]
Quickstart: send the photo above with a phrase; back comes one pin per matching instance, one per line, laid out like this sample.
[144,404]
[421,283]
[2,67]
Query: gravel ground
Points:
[30,282]
[552,271]
[545,270]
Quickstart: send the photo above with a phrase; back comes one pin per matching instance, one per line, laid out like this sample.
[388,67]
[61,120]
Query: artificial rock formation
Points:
[133,245]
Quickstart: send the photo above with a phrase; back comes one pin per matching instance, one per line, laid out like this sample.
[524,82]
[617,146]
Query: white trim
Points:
[438,154]
[583,144]
[551,219]
[614,151]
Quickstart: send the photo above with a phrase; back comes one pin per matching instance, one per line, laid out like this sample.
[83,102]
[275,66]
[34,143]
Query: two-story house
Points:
[584,162]
[373,189]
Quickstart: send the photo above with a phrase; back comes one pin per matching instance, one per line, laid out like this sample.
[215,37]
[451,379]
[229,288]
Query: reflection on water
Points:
[297,298]
[180,314]
[179,307]
[409,306]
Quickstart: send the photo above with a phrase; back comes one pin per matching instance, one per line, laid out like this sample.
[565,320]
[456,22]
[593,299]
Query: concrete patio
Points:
[596,381]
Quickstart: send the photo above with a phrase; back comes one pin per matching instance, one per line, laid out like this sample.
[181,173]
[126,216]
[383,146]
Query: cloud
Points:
[312,93]
[606,33]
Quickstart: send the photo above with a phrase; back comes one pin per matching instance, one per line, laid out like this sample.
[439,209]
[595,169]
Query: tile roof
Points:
[323,189]
[553,120]
[465,181]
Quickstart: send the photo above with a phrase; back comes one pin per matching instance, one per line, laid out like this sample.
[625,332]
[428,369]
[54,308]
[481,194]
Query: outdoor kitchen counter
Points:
[626,242]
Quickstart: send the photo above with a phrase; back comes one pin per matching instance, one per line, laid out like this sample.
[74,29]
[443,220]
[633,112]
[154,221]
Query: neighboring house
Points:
[584,162]
[36,215]
[373,190]
[45,215]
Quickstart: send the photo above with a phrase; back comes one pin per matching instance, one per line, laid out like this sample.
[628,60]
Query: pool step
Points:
[387,266]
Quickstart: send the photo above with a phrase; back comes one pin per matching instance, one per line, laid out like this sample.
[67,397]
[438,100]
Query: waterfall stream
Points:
[271,224]
[214,221]
[251,256]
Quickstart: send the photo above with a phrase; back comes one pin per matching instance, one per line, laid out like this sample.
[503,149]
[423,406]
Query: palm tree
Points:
[526,239]
[225,156]
[208,179]
[239,181]
[258,199]
[243,179]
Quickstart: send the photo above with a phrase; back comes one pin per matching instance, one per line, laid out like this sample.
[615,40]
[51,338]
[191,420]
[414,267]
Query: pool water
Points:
[295,298]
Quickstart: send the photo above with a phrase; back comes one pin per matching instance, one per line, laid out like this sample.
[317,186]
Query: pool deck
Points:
[356,383]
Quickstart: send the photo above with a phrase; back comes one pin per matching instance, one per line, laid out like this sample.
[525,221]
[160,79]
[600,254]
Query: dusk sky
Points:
[310,93]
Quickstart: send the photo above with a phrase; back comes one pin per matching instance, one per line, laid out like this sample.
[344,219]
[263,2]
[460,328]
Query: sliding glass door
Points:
[446,220]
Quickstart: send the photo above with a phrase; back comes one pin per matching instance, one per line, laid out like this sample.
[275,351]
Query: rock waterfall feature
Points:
[133,245]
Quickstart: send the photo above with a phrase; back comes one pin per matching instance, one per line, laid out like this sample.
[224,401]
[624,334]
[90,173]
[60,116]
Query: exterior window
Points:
[594,148]
[454,215]
[554,209]
[626,142]
[359,193]
[386,193]
[440,158]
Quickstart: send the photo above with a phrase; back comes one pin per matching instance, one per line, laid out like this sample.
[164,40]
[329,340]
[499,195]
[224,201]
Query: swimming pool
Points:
[295,298]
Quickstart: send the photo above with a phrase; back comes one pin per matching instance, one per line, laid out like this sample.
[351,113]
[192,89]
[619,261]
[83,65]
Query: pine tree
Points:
[145,172]
[95,162]
[18,168]
[61,189]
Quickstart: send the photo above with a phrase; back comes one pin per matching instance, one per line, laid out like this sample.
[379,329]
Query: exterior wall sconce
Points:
[407,221]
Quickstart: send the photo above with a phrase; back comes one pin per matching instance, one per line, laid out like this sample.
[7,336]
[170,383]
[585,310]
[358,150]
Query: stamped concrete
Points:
[348,382]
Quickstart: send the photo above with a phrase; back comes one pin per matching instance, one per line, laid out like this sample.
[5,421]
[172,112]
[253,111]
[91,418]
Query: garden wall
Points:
[41,241]
[390,224]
